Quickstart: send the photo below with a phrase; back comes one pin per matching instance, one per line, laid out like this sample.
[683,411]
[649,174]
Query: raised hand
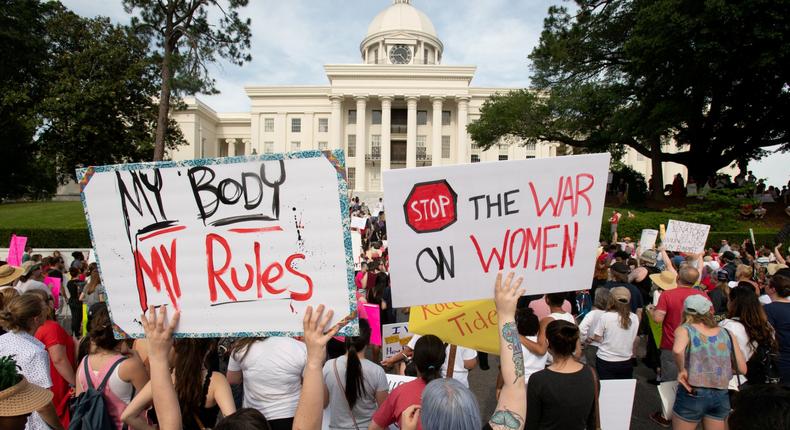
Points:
[507,293]
[314,323]
[159,331]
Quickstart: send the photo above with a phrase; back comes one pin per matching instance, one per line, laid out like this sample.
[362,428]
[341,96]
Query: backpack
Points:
[762,367]
[90,412]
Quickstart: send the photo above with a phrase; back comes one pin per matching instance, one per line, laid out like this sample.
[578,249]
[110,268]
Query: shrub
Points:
[48,237]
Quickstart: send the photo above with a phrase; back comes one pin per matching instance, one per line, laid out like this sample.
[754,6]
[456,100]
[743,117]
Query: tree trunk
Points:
[658,170]
[164,102]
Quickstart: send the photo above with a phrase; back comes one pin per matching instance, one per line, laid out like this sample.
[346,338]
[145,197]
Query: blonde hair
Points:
[622,309]
[743,271]
[19,313]
[6,295]
[706,319]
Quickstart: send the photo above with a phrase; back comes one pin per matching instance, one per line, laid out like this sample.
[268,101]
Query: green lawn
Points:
[65,215]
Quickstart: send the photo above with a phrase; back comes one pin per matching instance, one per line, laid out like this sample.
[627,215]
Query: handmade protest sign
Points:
[358,222]
[393,381]
[394,336]
[648,239]
[455,227]
[373,315]
[240,245]
[54,285]
[16,248]
[685,236]
[472,324]
[616,402]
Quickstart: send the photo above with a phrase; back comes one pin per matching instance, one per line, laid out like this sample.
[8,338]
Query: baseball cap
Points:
[722,275]
[621,294]
[697,304]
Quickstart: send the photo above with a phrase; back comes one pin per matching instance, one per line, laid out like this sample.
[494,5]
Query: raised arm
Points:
[667,261]
[512,404]
[160,339]
[778,254]
[310,410]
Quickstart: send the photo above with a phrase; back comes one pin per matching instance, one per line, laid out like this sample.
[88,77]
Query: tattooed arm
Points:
[512,405]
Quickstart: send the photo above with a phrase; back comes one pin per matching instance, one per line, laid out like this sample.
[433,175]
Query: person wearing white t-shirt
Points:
[271,370]
[616,332]
[465,360]
[590,322]
[556,312]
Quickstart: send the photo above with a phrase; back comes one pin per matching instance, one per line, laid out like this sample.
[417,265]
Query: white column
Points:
[436,135]
[306,136]
[282,129]
[255,132]
[382,54]
[386,121]
[336,128]
[231,147]
[411,132]
[463,144]
[247,146]
[362,132]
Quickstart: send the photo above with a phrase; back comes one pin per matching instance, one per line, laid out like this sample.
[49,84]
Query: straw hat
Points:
[23,398]
[772,268]
[9,274]
[665,280]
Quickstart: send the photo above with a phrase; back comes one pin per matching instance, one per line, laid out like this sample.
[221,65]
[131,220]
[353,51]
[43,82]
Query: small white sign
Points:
[616,403]
[648,239]
[358,222]
[686,237]
[394,336]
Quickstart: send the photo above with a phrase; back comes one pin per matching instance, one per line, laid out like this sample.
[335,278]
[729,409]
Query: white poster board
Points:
[452,228]
[686,237]
[358,222]
[241,245]
[648,239]
[394,337]
[393,381]
[616,403]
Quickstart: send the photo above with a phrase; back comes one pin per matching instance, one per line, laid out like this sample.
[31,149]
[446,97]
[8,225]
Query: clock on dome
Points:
[400,54]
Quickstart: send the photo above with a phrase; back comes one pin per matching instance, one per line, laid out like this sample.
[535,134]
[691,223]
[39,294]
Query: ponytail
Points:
[355,381]
[429,355]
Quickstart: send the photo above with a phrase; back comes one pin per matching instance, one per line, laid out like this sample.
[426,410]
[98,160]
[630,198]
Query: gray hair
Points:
[601,300]
[448,405]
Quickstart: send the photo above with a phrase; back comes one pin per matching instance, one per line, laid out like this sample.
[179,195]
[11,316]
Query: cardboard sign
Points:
[16,249]
[373,315]
[470,324]
[358,222]
[455,227]
[396,380]
[241,245]
[394,337]
[616,403]
[648,239]
[54,285]
[356,247]
[686,237]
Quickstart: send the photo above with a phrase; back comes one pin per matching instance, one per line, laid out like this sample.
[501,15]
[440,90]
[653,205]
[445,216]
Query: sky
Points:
[293,39]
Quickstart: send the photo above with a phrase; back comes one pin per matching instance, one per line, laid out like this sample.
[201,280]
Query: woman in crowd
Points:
[778,312]
[528,326]
[429,355]
[616,333]
[74,286]
[94,291]
[22,317]
[703,353]
[720,293]
[748,324]
[6,295]
[355,386]
[588,324]
[60,347]
[18,397]
[562,396]
[202,394]
[744,273]
[271,370]
[126,375]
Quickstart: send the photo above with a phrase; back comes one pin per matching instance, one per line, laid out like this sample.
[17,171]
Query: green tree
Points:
[709,76]
[100,105]
[187,41]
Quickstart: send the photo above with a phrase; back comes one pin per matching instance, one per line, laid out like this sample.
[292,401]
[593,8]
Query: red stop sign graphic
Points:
[431,206]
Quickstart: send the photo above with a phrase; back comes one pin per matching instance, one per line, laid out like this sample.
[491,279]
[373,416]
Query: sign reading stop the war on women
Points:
[240,245]
[455,227]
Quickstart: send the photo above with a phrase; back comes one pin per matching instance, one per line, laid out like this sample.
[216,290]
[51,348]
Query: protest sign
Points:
[686,237]
[54,285]
[241,245]
[470,324]
[616,403]
[356,247]
[373,315]
[455,227]
[648,239]
[396,380]
[358,222]
[16,249]
[394,337]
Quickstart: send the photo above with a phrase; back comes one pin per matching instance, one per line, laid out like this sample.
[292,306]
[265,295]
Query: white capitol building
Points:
[399,108]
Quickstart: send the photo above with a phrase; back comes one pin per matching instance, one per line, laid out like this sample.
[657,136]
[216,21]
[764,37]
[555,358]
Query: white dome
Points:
[401,16]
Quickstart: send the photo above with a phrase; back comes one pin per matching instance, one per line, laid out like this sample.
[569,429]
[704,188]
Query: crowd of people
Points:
[717,323]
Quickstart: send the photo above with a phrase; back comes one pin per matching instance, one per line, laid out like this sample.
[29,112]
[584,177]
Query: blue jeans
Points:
[702,403]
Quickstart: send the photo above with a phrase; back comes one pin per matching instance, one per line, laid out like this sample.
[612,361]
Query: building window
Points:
[375,146]
[268,147]
[475,158]
[502,157]
[422,117]
[446,116]
[376,56]
[352,116]
[502,152]
[352,174]
[296,146]
[351,147]
[445,146]
[375,117]
[223,148]
[530,157]
[323,125]
[421,151]
[323,146]
[530,146]
[425,56]
[296,125]
[268,125]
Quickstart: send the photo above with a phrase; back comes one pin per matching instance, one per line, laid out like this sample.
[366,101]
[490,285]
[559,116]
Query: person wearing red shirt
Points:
[614,220]
[60,348]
